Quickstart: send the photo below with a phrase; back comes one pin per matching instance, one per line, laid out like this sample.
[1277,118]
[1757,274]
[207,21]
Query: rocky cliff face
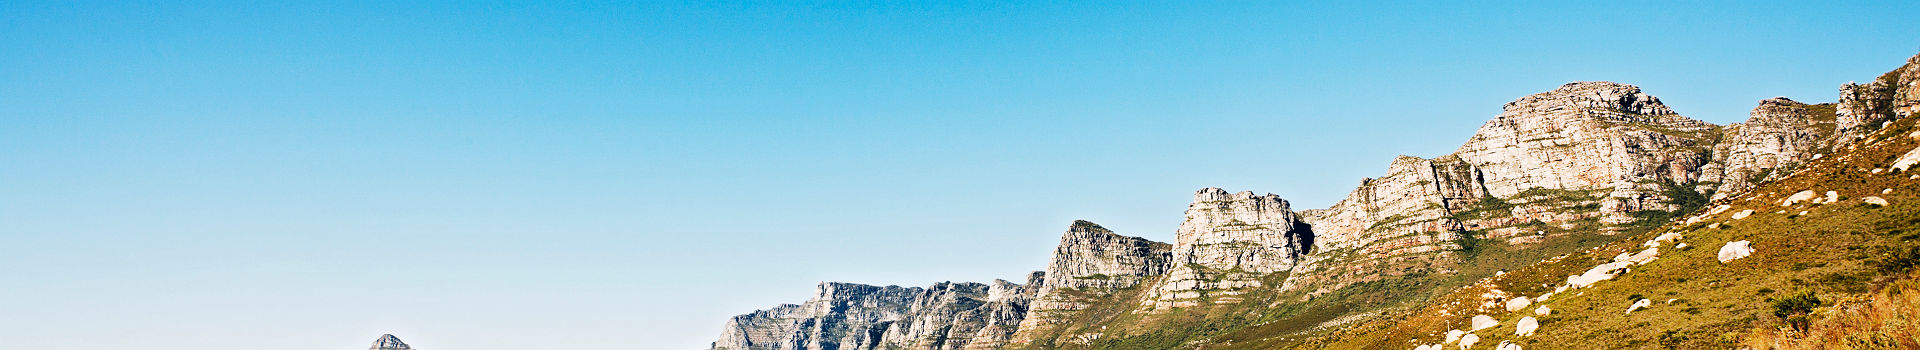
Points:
[1864,107]
[1590,136]
[1781,135]
[1090,263]
[854,316]
[1231,242]
[1092,257]
[1584,151]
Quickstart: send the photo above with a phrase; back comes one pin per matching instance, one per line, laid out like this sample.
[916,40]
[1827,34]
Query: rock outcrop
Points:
[1090,263]
[1591,136]
[1229,242]
[1414,196]
[1397,218]
[854,316]
[1091,257]
[1863,107]
[1780,135]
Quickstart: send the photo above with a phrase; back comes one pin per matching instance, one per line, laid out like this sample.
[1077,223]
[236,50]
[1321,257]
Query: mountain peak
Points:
[1591,96]
[389,342]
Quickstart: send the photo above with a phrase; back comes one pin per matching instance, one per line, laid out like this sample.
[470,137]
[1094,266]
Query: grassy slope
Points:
[1832,251]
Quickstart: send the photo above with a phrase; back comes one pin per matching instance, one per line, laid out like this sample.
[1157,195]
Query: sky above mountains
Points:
[507,175]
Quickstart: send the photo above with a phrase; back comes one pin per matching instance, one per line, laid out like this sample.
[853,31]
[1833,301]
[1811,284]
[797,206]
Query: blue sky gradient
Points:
[582,175]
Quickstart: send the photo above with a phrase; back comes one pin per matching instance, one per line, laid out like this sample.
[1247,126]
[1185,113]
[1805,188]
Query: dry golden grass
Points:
[1886,321]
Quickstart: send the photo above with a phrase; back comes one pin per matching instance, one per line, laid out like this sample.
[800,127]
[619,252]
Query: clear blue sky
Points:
[516,175]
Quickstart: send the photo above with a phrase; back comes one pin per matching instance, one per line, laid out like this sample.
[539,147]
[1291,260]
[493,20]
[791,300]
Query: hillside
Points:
[1574,199]
[1839,228]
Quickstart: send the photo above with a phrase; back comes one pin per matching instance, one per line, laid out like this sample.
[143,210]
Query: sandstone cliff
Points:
[1090,263]
[1594,151]
[1230,242]
[1866,107]
[1590,136]
[1780,136]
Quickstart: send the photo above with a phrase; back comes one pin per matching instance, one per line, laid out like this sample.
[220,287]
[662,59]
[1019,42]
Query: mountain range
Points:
[1586,190]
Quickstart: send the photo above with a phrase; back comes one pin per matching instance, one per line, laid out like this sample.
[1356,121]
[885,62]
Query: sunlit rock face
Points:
[1591,136]
[1863,107]
[1229,242]
[1780,135]
[856,316]
[1092,257]
[1090,263]
[1583,151]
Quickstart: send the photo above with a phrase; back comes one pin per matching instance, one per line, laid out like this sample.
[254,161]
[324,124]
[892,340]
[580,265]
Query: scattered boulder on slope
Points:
[1798,197]
[1483,322]
[1875,200]
[1518,303]
[1643,257]
[1526,326]
[1641,304]
[1735,250]
[1597,273]
[1468,340]
[1907,160]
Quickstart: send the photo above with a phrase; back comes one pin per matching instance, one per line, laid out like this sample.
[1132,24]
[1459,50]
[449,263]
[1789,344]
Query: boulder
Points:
[1468,340]
[1875,200]
[1483,322]
[1735,250]
[1907,160]
[1526,326]
[1798,197]
[1641,304]
[1518,303]
[1598,273]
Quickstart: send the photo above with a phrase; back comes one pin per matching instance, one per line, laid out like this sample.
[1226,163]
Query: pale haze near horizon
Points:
[628,176]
